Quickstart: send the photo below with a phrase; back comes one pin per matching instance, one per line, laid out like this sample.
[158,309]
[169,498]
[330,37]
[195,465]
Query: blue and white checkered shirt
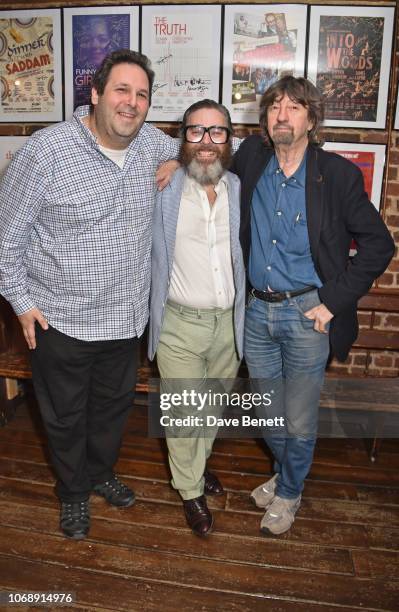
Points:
[75,230]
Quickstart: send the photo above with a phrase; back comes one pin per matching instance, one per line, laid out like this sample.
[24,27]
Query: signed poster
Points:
[262,43]
[8,147]
[30,66]
[89,35]
[183,43]
[349,61]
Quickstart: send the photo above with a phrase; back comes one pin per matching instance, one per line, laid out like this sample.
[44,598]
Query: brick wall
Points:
[360,361]
[383,363]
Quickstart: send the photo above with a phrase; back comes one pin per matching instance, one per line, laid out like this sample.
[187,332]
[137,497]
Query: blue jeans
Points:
[284,353]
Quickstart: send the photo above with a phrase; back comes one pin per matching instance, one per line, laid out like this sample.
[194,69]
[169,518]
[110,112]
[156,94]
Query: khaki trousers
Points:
[196,346]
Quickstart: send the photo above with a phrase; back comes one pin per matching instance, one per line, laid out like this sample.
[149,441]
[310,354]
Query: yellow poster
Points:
[27,65]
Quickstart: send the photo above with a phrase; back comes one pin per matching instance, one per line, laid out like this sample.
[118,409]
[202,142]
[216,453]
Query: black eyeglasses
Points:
[217,133]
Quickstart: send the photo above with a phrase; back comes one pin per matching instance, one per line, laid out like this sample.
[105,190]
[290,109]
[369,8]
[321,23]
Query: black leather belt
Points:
[279,296]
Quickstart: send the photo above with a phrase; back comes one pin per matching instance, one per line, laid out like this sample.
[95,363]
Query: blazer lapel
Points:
[258,163]
[170,212]
[314,202]
[234,204]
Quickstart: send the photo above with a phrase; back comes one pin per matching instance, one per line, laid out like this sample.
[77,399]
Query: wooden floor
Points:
[341,554]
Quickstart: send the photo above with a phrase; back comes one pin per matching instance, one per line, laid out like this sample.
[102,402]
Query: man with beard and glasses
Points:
[301,208]
[197,293]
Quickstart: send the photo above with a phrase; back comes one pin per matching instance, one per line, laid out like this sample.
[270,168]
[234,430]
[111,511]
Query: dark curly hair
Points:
[207,103]
[122,56]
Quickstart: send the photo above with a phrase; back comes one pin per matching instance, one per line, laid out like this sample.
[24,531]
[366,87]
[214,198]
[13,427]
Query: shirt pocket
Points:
[298,239]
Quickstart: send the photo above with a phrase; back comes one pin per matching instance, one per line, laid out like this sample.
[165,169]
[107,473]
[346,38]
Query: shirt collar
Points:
[299,175]
[79,114]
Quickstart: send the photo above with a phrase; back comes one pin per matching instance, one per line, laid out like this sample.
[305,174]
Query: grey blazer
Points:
[163,245]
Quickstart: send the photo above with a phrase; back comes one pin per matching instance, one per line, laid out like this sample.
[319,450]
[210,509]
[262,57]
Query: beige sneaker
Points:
[263,495]
[280,515]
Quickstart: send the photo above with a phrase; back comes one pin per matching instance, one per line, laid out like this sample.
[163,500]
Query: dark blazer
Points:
[337,210]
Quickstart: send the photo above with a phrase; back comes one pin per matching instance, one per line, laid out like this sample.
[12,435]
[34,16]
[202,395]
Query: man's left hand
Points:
[165,172]
[321,316]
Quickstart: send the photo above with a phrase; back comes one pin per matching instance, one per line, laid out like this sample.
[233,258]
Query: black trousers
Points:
[85,392]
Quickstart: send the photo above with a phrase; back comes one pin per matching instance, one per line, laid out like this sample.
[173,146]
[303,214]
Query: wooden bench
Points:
[371,402]
[367,394]
[15,364]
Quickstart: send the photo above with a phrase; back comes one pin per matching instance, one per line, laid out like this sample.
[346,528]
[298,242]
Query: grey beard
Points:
[205,174]
[287,138]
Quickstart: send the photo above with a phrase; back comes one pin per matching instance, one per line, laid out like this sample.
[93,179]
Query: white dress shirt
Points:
[202,274]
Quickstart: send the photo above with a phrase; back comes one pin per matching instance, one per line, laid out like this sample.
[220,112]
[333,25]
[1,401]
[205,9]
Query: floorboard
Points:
[342,553]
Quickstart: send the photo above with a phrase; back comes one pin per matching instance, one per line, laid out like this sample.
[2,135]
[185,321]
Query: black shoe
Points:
[198,515]
[75,519]
[115,492]
[212,485]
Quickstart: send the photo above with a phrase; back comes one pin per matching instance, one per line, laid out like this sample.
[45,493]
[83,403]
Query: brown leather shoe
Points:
[198,516]
[212,485]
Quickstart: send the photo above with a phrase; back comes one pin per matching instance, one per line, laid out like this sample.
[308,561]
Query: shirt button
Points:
[279,213]
[282,184]
[215,269]
[268,267]
[274,241]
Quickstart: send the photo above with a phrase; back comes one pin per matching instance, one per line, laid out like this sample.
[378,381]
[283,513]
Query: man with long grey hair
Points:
[300,209]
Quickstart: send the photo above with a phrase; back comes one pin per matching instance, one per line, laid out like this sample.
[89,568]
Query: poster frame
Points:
[251,114]
[396,122]
[9,144]
[316,11]
[215,10]
[57,113]
[68,13]
[379,163]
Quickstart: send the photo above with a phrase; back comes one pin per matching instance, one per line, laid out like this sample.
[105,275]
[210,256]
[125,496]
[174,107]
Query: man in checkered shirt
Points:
[75,240]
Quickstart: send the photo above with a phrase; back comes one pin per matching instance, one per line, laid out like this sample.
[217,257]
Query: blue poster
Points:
[94,37]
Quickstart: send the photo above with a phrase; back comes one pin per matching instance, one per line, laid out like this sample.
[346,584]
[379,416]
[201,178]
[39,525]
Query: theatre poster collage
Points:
[348,58]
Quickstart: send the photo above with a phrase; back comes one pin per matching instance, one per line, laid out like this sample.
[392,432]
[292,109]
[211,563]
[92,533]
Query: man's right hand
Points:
[165,173]
[27,320]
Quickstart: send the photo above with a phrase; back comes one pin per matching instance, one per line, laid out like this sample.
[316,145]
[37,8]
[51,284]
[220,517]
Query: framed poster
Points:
[183,43]
[30,65]
[370,158]
[8,147]
[89,35]
[349,61]
[261,44]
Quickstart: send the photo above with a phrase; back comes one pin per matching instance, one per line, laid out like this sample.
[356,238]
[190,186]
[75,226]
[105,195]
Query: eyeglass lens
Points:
[218,134]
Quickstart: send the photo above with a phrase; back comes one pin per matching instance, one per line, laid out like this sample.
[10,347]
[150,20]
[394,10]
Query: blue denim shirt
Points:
[280,257]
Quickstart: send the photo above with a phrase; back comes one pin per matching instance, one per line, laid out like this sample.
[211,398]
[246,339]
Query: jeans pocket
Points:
[306,302]
[249,301]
